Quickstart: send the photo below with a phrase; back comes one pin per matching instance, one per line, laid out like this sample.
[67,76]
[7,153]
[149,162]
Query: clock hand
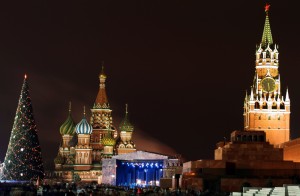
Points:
[268,86]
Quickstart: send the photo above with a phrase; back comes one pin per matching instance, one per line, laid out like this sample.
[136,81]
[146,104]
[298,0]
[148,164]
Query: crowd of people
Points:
[69,189]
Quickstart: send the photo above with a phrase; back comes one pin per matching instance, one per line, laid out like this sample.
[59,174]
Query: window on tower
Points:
[265,105]
[282,106]
[256,106]
[268,54]
[274,106]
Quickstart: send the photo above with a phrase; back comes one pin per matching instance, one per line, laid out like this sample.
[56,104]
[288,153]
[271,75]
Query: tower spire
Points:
[267,35]
[101,99]
[70,106]
[246,97]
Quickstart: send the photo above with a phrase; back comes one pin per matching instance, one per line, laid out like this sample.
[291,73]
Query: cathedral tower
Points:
[67,131]
[83,149]
[101,119]
[126,145]
[266,108]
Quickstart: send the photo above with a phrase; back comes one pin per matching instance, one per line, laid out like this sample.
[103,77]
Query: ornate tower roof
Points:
[125,125]
[83,127]
[101,99]
[68,127]
[267,35]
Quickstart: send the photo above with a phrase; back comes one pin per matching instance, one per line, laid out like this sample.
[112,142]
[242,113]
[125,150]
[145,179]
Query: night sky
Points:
[182,66]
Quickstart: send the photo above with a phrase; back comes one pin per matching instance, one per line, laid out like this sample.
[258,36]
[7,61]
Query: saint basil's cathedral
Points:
[84,145]
[95,152]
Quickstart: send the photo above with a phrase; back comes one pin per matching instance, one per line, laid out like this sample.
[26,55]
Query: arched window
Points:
[129,146]
[265,105]
[282,106]
[256,106]
[122,146]
[274,106]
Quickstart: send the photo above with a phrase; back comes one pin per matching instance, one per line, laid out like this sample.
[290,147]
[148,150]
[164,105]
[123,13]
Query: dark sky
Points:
[182,66]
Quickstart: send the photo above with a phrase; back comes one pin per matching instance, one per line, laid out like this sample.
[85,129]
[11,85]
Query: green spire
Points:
[267,35]
[125,125]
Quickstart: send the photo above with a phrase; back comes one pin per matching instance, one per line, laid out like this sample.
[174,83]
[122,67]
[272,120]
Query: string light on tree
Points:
[23,160]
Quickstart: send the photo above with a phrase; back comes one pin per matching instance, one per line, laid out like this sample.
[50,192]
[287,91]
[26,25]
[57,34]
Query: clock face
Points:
[268,84]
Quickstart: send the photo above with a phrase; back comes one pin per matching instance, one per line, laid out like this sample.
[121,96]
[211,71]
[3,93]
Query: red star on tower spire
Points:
[267,7]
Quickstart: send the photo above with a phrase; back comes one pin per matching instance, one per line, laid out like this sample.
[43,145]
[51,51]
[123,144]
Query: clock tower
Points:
[266,109]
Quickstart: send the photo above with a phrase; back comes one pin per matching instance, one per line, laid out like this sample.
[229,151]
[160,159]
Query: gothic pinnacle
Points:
[251,96]
[287,98]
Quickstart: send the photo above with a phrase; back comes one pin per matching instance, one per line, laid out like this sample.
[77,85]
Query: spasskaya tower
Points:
[266,109]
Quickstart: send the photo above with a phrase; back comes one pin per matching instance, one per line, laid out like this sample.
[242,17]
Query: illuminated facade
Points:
[86,144]
[266,108]
[95,151]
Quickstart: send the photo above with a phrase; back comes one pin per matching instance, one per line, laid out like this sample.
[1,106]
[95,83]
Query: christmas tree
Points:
[23,160]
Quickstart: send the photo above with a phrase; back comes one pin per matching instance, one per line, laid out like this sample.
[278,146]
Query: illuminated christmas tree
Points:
[23,160]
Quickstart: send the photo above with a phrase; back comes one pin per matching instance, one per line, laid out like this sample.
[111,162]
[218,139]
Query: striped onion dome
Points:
[83,127]
[108,140]
[68,127]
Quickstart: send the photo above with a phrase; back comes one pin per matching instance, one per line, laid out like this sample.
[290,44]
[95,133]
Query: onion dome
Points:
[83,127]
[108,140]
[68,127]
[125,125]
[59,159]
